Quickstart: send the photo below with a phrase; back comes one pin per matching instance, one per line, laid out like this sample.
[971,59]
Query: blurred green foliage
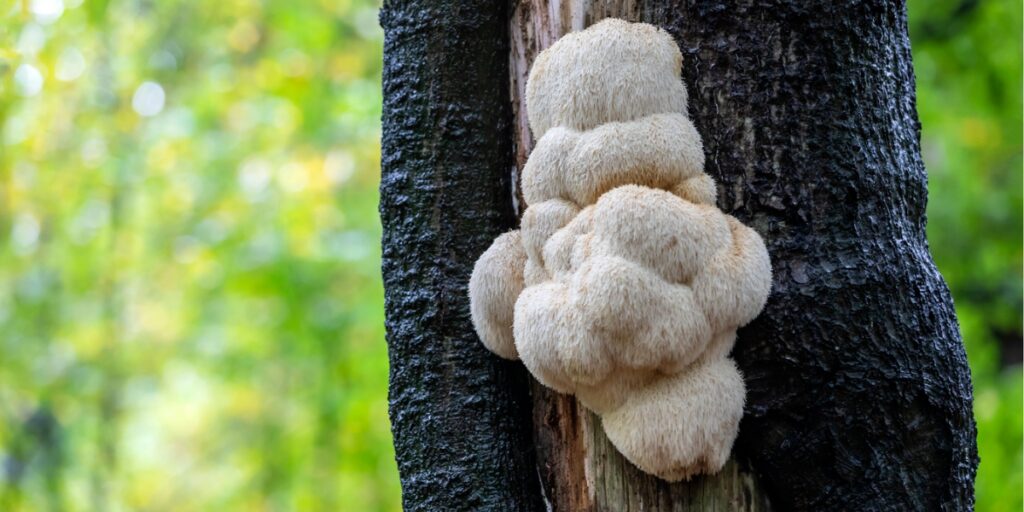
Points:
[190,295]
[967,58]
[190,300]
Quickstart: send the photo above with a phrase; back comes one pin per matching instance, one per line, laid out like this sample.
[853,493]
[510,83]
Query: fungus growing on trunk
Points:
[625,284]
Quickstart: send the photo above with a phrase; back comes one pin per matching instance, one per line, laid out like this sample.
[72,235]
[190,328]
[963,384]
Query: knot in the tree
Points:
[625,284]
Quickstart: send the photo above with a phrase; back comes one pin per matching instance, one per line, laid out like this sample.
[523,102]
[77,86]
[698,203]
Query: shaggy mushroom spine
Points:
[625,284]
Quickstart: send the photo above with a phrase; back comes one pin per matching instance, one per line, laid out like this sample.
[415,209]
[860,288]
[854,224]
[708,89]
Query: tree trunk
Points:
[460,416]
[859,394]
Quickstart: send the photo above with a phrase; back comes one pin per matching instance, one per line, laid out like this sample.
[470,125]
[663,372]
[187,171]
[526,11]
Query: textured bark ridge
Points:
[859,393]
[460,416]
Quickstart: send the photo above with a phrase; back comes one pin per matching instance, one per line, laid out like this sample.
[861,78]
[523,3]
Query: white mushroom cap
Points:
[612,71]
[625,284]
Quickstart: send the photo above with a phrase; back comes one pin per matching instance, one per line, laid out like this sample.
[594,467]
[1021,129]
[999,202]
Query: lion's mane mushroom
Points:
[625,284]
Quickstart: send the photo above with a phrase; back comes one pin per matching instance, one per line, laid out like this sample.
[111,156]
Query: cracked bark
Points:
[859,395]
[460,416]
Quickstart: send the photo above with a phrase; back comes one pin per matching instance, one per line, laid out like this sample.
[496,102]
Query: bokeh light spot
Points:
[148,100]
[70,65]
[28,79]
[47,11]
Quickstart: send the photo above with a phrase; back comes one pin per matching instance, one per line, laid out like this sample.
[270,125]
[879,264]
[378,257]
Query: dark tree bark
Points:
[859,394]
[460,416]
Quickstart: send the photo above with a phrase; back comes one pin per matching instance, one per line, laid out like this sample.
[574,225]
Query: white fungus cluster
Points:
[625,284]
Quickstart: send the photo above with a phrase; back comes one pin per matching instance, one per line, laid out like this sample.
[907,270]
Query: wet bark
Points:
[859,394]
